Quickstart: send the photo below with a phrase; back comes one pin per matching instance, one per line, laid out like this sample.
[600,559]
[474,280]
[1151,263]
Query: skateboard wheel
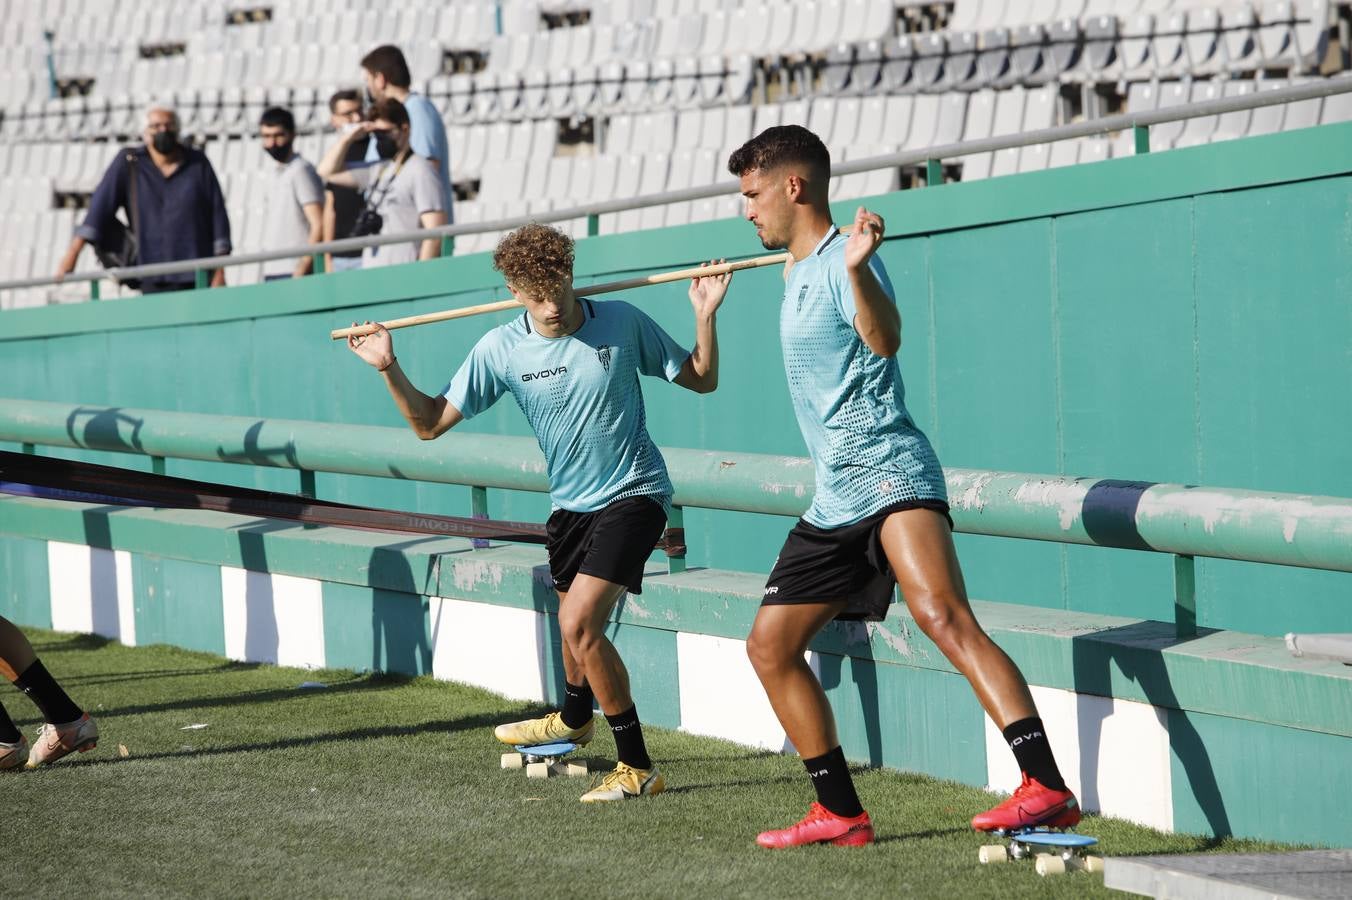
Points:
[1047,864]
[577,770]
[993,853]
[511,760]
[1094,864]
[537,770]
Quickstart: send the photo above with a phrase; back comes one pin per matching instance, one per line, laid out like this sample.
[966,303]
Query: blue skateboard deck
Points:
[1067,850]
[543,760]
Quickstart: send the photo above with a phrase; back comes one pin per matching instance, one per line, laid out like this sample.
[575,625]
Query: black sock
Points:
[577,704]
[830,776]
[42,689]
[629,744]
[9,732]
[1029,743]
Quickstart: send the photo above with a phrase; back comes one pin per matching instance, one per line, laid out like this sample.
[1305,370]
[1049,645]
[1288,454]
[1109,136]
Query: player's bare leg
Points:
[919,548]
[778,640]
[583,613]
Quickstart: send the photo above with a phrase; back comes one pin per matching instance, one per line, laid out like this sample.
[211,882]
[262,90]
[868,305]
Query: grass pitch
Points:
[377,786]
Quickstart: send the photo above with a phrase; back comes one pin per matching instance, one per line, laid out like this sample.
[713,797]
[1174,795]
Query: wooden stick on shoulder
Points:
[589,290]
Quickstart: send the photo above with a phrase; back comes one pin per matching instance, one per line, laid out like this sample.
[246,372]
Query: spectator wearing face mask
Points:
[401,189]
[295,195]
[388,77]
[342,204]
[179,210]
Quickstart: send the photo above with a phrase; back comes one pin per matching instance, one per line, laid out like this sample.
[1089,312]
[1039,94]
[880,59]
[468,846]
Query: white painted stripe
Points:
[494,647]
[272,618]
[298,611]
[68,577]
[721,695]
[1114,754]
[233,608]
[126,599]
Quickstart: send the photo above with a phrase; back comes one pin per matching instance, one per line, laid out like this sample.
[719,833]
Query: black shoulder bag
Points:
[116,248]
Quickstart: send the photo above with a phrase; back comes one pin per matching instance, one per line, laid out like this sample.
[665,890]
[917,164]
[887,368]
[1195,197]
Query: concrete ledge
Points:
[1240,676]
[1310,874]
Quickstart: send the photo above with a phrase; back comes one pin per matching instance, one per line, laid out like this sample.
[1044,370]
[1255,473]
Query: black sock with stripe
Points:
[42,689]
[577,704]
[629,745]
[830,776]
[1028,740]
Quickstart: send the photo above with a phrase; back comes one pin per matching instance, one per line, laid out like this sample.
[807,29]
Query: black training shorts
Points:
[828,565]
[612,543]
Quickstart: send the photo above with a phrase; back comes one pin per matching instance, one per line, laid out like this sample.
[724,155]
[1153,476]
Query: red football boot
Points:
[821,826]
[1033,805]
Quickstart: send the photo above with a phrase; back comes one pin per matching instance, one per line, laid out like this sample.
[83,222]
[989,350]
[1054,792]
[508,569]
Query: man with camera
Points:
[401,189]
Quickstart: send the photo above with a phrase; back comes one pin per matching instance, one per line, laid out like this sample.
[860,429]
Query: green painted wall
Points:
[25,588]
[1175,317]
[178,602]
[1287,785]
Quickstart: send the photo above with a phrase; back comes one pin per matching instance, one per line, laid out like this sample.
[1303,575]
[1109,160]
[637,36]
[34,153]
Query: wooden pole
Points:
[587,291]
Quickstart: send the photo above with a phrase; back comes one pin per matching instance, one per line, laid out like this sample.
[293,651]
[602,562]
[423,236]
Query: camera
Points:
[368,222]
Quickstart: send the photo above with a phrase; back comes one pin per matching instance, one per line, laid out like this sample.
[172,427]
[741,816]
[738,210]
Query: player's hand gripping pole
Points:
[587,290]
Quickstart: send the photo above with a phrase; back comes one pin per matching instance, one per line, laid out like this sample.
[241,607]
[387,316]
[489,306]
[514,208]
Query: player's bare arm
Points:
[700,372]
[876,317]
[429,417]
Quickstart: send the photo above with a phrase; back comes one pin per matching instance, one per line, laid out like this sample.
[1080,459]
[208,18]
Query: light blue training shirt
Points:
[427,138]
[581,396]
[850,402]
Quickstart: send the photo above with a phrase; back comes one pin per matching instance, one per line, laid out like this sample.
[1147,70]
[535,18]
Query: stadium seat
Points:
[980,116]
[961,72]
[1239,34]
[1234,124]
[1028,56]
[1202,129]
[898,63]
[1168,46]
[1137,57]
[1337,108]
[928,68]
[1101,59]
[993,58]
[1303,113]
[1171,93]
[1206,51]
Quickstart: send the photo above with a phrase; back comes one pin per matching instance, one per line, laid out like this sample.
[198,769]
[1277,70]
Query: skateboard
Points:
[543,760]
[1066,852]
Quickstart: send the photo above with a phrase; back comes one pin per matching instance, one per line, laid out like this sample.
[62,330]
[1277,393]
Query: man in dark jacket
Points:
[180,211]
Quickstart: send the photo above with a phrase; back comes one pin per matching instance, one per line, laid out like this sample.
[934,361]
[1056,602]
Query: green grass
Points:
[389,787]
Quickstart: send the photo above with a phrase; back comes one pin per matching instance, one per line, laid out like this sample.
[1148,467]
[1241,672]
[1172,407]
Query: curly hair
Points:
[779,145]
[535,259]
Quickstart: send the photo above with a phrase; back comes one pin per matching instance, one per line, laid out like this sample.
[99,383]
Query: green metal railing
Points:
[1186,521]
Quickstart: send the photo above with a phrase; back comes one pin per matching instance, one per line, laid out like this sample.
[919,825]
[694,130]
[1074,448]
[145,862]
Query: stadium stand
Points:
[554,103]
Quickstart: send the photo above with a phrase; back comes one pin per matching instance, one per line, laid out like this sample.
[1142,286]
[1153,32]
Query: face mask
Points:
[165,142]
[386,145]
[279,152]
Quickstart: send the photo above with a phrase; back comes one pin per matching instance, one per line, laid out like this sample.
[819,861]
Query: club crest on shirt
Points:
[603,356]
[802,295]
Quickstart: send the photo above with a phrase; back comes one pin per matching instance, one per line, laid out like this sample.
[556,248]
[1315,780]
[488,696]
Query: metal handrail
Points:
[1300,530]
[1311,91]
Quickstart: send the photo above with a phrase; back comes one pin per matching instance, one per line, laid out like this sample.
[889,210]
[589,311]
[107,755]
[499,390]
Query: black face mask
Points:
[165,142]
[279,152]
[386,146]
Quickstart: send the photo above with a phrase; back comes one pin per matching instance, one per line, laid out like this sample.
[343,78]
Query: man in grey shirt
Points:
[402,190]
[295,211]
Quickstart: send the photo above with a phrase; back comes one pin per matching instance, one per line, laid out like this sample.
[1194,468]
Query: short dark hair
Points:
[388,60]
[779,145]
[278,117]
[389,109]
[348,94]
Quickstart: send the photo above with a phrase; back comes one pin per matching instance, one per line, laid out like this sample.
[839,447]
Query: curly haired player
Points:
[572,365]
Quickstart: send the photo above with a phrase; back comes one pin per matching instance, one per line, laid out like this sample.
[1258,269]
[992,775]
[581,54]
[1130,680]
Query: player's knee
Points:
[941,621]
[766,655]
[577,631]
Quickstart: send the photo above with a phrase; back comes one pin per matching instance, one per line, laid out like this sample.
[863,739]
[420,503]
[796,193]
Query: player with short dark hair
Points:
[879,516]
[572,365]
